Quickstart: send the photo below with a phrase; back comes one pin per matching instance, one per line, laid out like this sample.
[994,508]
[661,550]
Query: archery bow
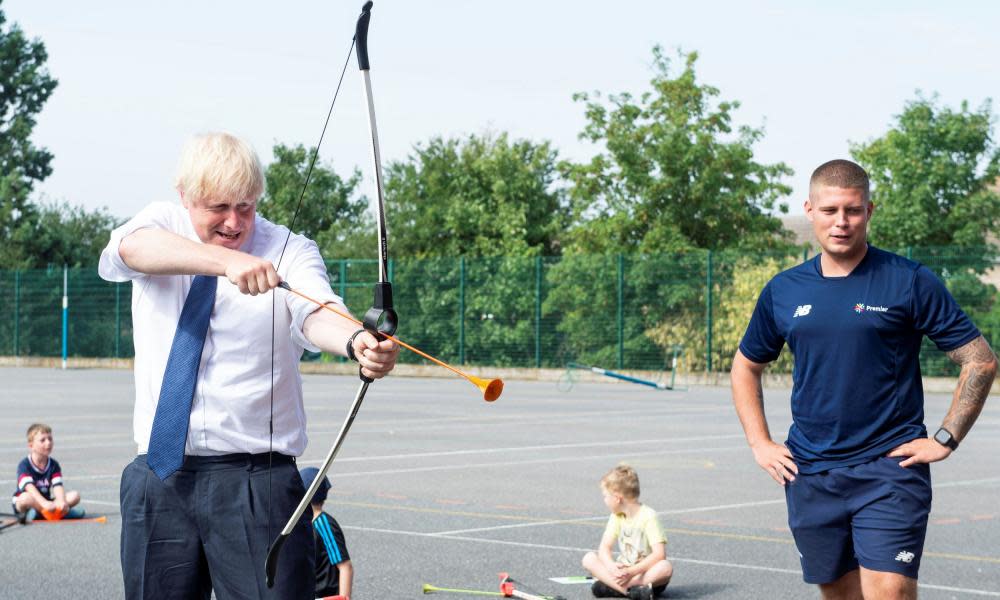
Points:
[380,318]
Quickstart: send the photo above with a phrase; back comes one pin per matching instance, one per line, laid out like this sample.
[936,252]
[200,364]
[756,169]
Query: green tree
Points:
[25,85]
[931,175]
[68,235]
[735,297]
[674,178]
[673,173]
[331,213]
[469,219]
[481,196]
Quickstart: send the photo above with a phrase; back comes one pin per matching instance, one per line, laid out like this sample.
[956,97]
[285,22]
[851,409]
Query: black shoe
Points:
[641,592]
[602,590]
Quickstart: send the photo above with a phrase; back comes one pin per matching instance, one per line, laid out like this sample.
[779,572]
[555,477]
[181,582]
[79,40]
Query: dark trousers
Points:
[206,527]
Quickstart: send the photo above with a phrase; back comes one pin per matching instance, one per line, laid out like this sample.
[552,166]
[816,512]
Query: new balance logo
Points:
[803,310]
[906,557]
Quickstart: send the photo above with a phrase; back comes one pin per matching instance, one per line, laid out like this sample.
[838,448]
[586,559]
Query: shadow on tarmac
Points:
[699,590]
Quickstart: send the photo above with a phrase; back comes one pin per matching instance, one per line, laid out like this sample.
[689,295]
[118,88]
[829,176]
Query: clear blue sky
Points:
[137,78]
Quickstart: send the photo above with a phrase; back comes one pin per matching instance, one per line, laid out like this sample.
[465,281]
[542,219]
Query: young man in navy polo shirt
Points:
[855,465]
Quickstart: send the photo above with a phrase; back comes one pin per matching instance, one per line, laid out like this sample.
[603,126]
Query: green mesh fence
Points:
[617,312]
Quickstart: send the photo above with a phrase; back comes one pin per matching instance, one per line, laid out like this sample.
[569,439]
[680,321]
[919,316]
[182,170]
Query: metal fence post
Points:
[342,286]
[538,312]
[461,310]
[708,316]
[17,310]
[621,311]
[343,280]
[65,315]
[118,319]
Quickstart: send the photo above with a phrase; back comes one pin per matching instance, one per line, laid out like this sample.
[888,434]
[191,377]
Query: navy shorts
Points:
[873,515]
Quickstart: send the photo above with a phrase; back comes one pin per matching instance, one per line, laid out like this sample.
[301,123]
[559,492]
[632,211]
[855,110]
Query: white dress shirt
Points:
[232,397]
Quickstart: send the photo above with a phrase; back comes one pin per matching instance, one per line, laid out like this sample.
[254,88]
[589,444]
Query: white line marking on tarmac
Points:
[511,463]
[439,422]
[101,502]
[604,444]
[678,511]
[77,477]
[710,563]
[70,446]
[520,525]
[966,482]
[617,455]
[90,416]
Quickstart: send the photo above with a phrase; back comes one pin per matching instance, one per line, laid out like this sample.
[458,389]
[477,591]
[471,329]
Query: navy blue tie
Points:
[173,411]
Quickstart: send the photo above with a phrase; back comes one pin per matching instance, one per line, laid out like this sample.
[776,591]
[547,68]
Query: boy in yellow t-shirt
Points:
[641,571]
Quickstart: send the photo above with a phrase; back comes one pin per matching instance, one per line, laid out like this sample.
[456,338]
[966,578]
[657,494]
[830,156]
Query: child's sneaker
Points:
[77,512]
[641,592]
[603,590]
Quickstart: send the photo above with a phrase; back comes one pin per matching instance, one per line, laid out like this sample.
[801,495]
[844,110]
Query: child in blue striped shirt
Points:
[334,571]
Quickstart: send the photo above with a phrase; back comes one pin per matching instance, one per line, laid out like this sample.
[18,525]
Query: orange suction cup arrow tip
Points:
[52,515]
[491,388]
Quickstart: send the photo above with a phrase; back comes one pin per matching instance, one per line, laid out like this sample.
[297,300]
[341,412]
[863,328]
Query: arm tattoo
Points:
[979,367]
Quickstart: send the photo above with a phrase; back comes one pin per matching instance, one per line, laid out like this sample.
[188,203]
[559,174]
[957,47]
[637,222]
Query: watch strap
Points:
[350,345]
[945,438]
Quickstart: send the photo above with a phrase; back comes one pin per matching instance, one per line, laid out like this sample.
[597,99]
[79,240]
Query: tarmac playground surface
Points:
[435,486]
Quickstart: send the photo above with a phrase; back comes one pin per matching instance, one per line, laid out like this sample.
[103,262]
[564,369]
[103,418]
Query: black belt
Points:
[240,459]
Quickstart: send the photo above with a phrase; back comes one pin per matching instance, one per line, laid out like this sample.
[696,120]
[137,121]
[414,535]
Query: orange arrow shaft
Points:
[393,338]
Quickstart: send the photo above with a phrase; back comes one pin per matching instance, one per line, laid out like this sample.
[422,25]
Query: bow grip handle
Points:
[361,36]
[380,318]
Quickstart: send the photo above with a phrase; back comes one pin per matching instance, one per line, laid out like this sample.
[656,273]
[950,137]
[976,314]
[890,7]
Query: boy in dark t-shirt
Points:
[855,466]
[334,570]
[40,487]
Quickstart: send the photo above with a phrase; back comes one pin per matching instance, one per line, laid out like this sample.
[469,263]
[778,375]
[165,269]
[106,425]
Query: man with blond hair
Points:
[855,466]
[219,416]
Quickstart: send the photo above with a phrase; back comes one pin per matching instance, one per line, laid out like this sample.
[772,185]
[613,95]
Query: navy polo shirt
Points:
[856,342]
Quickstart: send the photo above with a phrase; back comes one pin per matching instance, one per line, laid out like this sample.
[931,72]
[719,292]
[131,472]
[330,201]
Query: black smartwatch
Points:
[944,437]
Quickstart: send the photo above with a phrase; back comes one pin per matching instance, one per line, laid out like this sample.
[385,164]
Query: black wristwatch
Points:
[350,345]
[944,437]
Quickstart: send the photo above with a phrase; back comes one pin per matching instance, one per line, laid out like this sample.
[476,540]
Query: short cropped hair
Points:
[36,428]
[622,480]
[843,174]
[219,165]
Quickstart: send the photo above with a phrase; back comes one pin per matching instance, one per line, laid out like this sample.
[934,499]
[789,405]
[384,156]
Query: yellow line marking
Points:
[989,559]
[730,536]
[442,511]
[391,496]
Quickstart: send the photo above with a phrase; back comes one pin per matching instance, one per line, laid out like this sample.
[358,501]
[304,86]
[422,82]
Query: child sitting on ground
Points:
[334,571]
[40,489]
[642,570]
